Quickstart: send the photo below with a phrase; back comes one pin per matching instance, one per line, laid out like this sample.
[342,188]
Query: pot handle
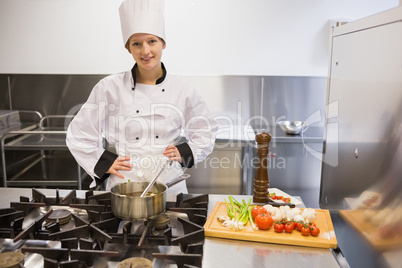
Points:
[154,179]
[177,180]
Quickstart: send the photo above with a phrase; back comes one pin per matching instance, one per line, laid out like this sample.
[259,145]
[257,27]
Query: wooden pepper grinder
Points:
[261,180]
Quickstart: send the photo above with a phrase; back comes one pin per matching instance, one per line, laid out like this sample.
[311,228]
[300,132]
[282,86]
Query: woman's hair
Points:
[127,46]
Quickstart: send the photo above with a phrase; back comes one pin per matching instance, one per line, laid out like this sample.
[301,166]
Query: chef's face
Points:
[146,50]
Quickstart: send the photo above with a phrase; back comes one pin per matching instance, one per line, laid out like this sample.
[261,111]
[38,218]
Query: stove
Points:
[55,231]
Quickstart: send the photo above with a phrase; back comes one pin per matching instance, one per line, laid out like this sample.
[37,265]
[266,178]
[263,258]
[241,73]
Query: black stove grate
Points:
[100,236]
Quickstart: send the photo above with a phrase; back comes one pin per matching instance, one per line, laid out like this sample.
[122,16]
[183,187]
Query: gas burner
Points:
[135,262]
[11,259]
[87,231]
[61,216]
[160,222]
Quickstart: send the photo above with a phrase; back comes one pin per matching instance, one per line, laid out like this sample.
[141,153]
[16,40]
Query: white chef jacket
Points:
[140,121]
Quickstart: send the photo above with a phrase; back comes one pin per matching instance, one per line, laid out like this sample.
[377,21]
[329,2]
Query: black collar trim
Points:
[158,81]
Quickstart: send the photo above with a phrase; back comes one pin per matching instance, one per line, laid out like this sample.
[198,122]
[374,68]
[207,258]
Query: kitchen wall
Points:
[204,37]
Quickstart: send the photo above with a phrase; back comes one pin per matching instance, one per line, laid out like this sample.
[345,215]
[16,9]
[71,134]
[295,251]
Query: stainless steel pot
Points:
[127,203]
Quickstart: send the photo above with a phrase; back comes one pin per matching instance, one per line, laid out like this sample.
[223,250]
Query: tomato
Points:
[294,224]
[315,231]
[305,231]
[278,227]
[299,226]
[289,228]
[263,221]
[258,210]
[273,196]
[312,224]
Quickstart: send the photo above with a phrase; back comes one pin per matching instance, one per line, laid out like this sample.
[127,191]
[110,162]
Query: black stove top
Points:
[83,232]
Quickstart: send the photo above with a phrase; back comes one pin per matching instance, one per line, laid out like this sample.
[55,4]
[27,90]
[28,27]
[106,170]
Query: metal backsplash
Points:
[47,94]
[238,97]
[237,100]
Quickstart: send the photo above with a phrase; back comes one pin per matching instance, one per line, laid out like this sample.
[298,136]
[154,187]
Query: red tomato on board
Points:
[264,221]
[305,231]
[299,226]
[315,231]
[289,228]
[258,210]
[278,227]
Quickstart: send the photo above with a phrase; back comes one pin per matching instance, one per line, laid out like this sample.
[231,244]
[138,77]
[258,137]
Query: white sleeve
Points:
[84,134]
[200,127]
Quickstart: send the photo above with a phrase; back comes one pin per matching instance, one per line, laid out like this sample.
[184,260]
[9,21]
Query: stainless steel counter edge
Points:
[8,195]
[245,134]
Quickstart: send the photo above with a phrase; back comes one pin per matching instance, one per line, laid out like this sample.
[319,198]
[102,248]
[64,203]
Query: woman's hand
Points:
[120,164]
[172,153]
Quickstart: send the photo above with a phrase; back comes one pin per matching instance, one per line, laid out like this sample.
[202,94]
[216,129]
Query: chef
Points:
[151,118]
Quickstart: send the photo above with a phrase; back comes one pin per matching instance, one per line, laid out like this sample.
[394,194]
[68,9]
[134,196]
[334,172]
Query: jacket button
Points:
[137,138]
[163,90]
[157,136]
[138,111]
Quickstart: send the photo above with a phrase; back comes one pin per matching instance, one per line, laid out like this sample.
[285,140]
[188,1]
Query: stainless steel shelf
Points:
[43,139]
[37,139]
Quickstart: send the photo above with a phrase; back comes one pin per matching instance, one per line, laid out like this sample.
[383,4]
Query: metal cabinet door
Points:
[364,109]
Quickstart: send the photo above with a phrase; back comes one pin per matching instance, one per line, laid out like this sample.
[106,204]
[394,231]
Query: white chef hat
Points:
[142,16]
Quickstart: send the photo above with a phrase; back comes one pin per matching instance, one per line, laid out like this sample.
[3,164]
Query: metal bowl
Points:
[293,127]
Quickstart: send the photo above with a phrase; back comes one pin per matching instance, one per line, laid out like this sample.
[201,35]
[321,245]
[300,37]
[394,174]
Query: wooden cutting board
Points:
[356,219]
[326,238]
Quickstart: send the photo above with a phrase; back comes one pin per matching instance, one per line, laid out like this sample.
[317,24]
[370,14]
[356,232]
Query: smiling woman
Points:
[133,110]
[146,50]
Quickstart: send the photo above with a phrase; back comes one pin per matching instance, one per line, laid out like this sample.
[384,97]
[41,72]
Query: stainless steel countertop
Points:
[8,195]
[312,134]
[223,252]
[245,134]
